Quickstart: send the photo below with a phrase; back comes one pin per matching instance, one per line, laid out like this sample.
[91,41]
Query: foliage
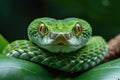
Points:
[3,43]
[16,69]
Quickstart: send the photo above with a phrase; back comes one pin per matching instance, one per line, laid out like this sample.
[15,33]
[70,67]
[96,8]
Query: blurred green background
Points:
[15,15]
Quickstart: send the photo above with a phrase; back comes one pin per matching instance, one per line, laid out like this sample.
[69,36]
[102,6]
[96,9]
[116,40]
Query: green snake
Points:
[65,45]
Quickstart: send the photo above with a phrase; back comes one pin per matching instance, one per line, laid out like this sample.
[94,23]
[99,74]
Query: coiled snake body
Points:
[65,45]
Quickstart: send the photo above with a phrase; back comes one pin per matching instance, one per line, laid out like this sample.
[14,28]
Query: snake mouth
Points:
[60,44]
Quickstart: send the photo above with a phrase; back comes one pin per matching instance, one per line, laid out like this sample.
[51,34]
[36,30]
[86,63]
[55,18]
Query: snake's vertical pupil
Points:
[78,29]
[41,29]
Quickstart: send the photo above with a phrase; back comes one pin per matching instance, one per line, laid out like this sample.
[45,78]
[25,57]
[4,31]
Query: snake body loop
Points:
[85,56]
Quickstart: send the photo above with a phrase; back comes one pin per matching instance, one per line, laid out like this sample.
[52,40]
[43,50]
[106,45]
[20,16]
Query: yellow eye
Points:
[41,29]
[78,29]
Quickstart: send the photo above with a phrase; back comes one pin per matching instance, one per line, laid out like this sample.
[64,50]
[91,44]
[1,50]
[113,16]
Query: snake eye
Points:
[41,29]
[78,29]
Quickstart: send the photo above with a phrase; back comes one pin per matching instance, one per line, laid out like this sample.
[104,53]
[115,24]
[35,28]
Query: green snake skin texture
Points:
[89,55]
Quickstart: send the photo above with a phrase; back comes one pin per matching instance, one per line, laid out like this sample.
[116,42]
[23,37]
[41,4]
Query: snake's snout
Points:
[60,36]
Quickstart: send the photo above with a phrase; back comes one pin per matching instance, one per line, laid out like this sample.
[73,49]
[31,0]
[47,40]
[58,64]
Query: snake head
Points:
[59,36]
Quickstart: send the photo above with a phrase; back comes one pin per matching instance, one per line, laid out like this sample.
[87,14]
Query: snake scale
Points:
[65,45]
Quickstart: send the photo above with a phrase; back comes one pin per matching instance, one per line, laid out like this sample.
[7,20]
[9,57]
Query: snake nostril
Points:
[52,35]
[68,35]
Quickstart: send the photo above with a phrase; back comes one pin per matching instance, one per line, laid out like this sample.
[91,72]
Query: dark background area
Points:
[16,15]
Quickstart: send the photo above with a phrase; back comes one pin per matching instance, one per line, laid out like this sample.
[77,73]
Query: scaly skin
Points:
[60,44]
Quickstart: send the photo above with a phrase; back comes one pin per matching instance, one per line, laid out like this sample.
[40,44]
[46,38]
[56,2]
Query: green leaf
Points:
[3,43]
[106,71]
[16,69]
